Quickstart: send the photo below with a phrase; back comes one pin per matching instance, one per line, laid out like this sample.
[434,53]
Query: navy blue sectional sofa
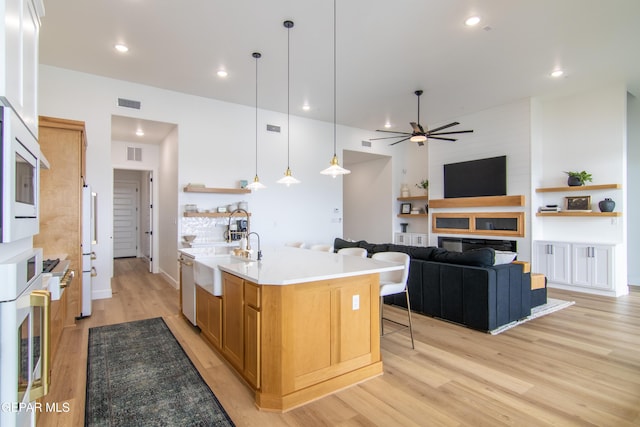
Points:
[461,287]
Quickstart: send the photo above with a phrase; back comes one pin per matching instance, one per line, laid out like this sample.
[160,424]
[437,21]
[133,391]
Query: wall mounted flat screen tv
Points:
[475,178]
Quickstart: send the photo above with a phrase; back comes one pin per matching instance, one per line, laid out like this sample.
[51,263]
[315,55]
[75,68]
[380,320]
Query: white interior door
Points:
[125,219]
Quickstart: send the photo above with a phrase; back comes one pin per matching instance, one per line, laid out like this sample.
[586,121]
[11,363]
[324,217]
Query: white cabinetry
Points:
[410,239]
[554,261]
[578,266]
[593,265]
[20,27]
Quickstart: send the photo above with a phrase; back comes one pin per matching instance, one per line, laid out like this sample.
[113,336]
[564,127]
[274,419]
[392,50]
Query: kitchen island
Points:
[297,325]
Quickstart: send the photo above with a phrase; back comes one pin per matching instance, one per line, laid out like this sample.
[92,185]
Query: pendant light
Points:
[256,184]
[334,169]
[288,179]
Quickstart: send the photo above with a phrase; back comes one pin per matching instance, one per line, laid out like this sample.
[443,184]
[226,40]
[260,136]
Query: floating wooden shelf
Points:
[211,214]
[579,188]
[412,198]
[191,189]
[413,215]
[566,213]
[472,202]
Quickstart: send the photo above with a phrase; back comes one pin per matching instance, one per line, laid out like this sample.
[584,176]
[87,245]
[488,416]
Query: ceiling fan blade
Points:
[392,131]
[416,127]
[444,127]
[450,133]
[397,142]
[439,137]
[390,137]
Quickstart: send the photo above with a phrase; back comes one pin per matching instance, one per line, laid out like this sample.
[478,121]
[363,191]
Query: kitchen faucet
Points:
[249,245]
[229,224]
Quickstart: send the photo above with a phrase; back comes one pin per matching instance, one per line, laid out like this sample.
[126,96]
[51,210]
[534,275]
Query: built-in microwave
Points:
[20,178]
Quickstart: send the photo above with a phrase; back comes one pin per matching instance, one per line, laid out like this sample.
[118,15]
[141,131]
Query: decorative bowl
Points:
[189,238]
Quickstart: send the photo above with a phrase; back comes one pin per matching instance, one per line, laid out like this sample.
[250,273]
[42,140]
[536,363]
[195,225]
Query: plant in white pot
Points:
[424,185]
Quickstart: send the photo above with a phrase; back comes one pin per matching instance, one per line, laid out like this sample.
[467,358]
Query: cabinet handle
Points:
[94,272]
[67,278]
[93,255]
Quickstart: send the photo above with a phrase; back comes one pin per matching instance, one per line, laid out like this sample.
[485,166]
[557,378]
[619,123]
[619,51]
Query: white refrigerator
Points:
[88,239]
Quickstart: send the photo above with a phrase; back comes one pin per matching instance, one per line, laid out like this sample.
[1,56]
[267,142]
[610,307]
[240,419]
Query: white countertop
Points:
[287,266]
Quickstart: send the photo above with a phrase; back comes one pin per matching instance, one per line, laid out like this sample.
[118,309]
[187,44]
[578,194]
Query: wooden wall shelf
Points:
[412,198]
[212,214]
[191,189]
[472,202]
[413,215]
[592,214]
[579,188]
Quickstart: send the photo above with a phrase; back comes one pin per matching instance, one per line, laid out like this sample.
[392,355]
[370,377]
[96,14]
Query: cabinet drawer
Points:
[252,294]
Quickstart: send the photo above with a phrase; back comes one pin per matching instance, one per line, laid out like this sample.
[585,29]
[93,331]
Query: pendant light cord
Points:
[288,90]
[334,78]
[256,56]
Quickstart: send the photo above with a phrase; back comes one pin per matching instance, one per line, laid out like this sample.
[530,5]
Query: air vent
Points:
[134,154]
[129,103]
[366,143]
[273,128]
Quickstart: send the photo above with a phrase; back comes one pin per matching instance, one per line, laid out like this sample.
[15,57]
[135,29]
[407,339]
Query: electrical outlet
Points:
[355,302]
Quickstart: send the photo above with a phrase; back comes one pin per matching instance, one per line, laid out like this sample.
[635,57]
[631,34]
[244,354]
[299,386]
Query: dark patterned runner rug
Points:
[139,375]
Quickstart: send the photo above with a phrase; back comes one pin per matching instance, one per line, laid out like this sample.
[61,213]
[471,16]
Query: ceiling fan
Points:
[420,135]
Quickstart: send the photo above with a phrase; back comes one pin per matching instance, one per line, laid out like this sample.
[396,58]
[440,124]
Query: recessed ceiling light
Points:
[306,107]
[140,132]
[121,48]
[472,21]
[222,73]
[557,73]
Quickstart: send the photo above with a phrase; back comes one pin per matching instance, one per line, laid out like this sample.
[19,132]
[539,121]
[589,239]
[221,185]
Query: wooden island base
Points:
[296,343]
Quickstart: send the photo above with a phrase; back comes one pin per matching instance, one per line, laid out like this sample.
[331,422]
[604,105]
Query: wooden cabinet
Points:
[20,23]
[554,261]
[593,265]
[233,320]
[63,143]
[209,316]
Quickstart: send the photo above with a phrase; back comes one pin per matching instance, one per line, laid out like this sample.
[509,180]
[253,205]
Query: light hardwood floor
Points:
[576,367]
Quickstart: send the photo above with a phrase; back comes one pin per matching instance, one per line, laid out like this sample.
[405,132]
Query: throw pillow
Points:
[504,257]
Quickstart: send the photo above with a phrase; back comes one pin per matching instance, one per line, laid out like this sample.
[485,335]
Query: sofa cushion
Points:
[481,257]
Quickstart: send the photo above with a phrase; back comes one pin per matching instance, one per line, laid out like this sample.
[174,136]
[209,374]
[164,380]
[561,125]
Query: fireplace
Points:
[461,244]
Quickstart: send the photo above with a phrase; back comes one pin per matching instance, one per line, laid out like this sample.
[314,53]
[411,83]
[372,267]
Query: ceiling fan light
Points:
[418,138]
[288,179]
[256,184]
[335,169]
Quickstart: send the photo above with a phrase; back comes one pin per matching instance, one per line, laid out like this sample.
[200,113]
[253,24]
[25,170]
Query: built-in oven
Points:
[24,353]
[20,178]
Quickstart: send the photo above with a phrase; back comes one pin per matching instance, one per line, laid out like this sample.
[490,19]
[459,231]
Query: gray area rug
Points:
[551,306]
[139,375]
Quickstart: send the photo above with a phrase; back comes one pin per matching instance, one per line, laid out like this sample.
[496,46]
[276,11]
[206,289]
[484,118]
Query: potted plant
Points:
[578,178]
[424,185]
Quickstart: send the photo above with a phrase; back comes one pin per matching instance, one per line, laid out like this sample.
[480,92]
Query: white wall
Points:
[633,184]
[214,145]
[499,131]
[166,208]
[585,131]
[368,200]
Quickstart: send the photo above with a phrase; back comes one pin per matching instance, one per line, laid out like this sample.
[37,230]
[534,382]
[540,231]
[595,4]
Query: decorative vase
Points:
[574,181]
[607,205]
[404,190]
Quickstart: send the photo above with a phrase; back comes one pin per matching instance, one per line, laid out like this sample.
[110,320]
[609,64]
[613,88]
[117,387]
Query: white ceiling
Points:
[385,51]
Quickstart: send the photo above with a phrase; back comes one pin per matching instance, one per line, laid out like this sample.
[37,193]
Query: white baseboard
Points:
[102,294]
[169,279]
